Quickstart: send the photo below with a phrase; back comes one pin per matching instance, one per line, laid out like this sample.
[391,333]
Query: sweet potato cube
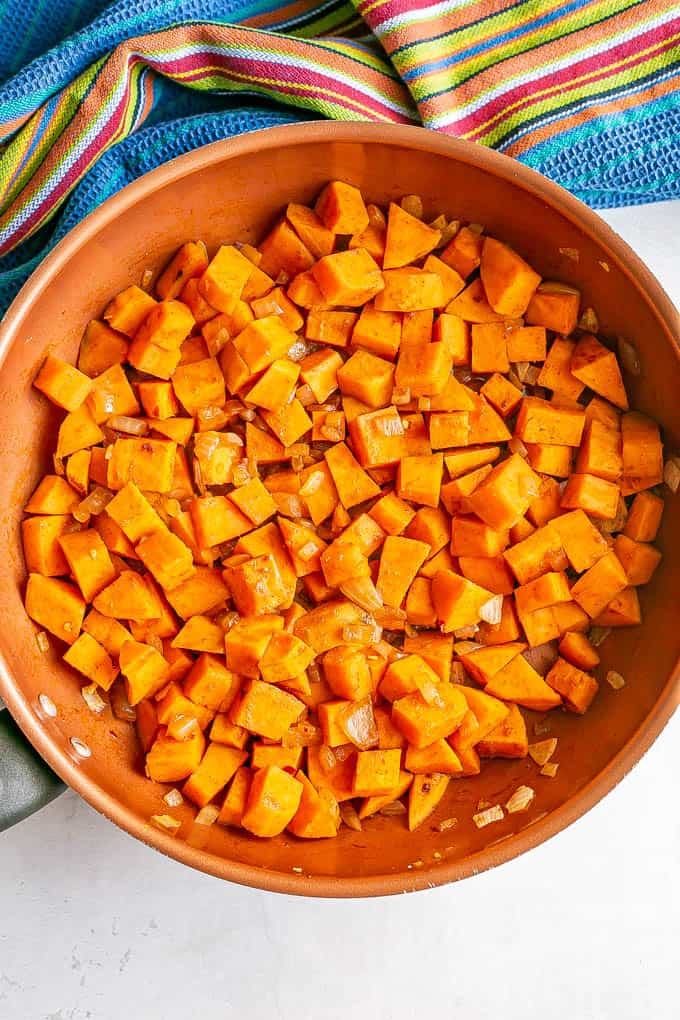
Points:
[202,311]
[348,278]
[505,494]
[556,374]
[425,795]
[526,343]
[483,663]
[464,252]
[92,660]
[110,634]
[225,277]
[644,517]
[133,513]
[368,378]
[472,305]
[52,496]
[569,617]
[158,399]
[455,494]
[378,332]
[597,367]
[431,525]
[576,687]
[78,431]
[555,306]
[423,369]
[501,394]
[148,357]
[500,633]
[62,383]
[410,290]
[419,478]
[223,731]
[319,371]
[639,559]
[283,251]
[596,496]
[167,325]
[486,425]
[488,712]
[540,552]
[539,626]
[438,757]
[508,280]
[318,815]
[642,453]
[274,388]
[89,561]
[304,291]
[352,483]
[539,421]
[289,423]
[200,384]
[435,649]
[217,519]
[169,760]
[200,634]
[200,594]
[470,536]
[276,302]
[448,429]
[42,551]
[392,514]
[577,649]
[454,333]
[420,611]
[126,598]
[452,282]
[546,590]
[490,572]
[548,459]
[100,348]
[622,611]
[421,723]
[256,586]
[190,260]
[330,327]
[508,739]
[341,208]
[173,705]
[311,229]
[218,765]
[266,710]
[489,349]
[303,545]
[457,600]
[460,462]
[285,658]
[343,561]
[149,463]
[346,672]
[166,557]
[520,683]
[408,238]
[406,675]
[377,772]
[318,491]
[273,801]
[234,803]
[400,561]
[145,670]
[127,310]
[580,539]
[246,643]
[600,584]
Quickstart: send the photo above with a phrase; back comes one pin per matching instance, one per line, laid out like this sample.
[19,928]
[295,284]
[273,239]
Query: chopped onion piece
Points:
[532,375]
[449,232]
[147,277]
[605,265]
[458,674]
[207,815]
[597,635]
[362,633]
[489,815]
[615,680]
[430,693]
[299,350]
[358,724]
[520,800]
[628,356]
[589,321]
[350,817]
[463,633]
[166,822]
[303,734]
[516,445]
[401,395]
[92,699]
[438,223]
[327,758]
[181,727]
[395,808]
[364,593]
[343,752]
[492,611]
[671,473]
[155,642]
[476,228]
[305,395]
[59,468]
[550,769]
[198,478]
[521,369]
[93,504]
[542,657]
[42,641]
[173,798]
[570,253]
[413,204]
[312,483]
[120,706]
[131,426]
[543,750]
[446,823]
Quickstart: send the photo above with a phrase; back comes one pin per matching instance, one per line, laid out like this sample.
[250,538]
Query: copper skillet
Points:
[233,189]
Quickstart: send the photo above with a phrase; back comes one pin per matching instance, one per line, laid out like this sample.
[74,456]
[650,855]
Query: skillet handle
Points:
[26,782]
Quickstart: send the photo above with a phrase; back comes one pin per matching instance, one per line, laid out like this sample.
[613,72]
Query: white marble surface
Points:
[95,926]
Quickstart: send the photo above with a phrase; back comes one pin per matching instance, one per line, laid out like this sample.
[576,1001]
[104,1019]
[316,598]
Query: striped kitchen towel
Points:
[94,94]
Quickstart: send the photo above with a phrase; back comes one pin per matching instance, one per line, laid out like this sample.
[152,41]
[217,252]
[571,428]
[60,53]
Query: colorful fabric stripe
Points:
[558,85]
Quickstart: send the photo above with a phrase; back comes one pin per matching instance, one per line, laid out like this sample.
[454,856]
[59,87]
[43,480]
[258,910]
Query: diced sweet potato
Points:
[576,687]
